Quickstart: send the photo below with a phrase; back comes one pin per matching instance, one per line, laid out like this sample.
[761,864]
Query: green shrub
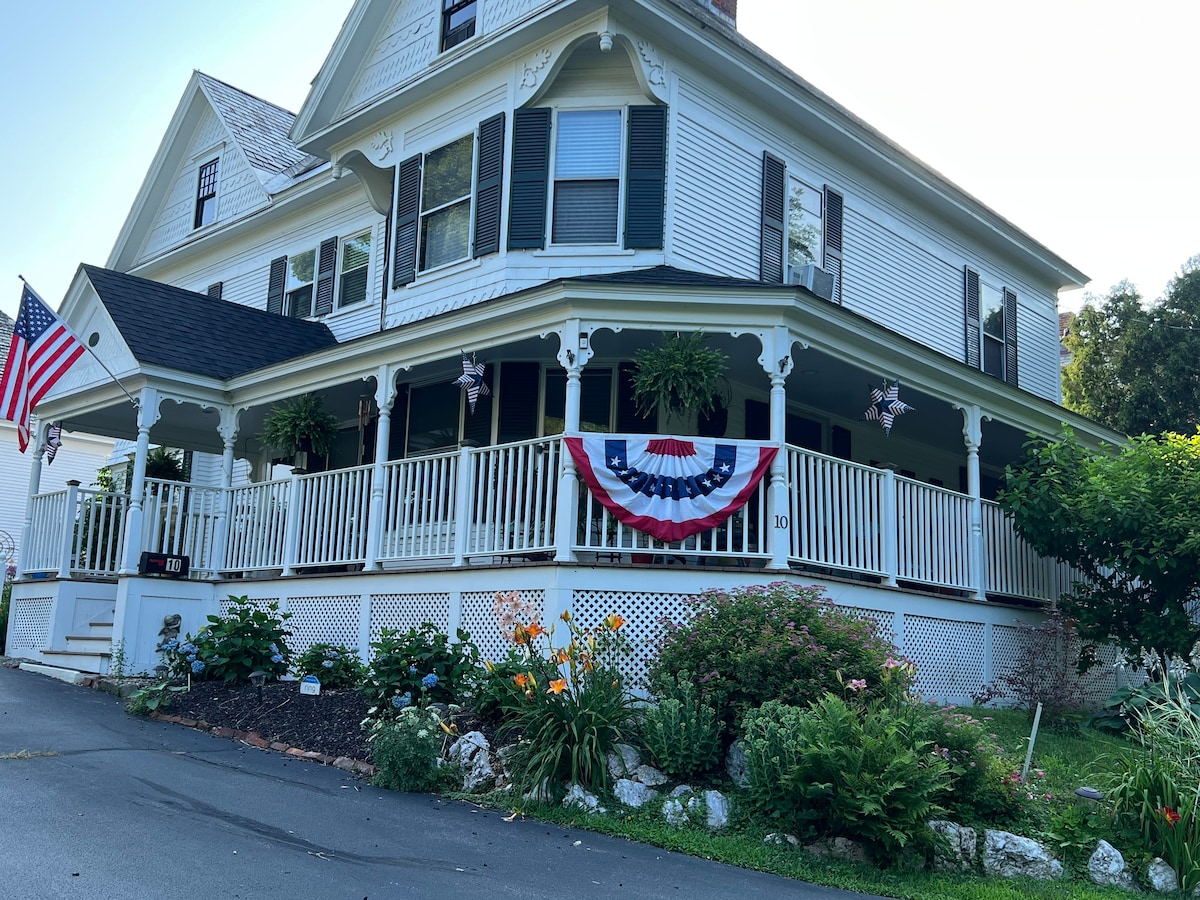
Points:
[418,666]
[980,788]
[835,770]
[493,689]
[776,642]
[569,724]
[246,639]
[335,666]
[681,732]
[10,572]
[406,750]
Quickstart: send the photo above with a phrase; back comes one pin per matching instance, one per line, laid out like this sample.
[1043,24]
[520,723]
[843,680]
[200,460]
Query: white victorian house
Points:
[549,185]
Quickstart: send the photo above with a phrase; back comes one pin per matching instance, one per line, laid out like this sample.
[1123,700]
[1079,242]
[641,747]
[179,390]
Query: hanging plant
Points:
[164,464]
[681,374]
[300,424]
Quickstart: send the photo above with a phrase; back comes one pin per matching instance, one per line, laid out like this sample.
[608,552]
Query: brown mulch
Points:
[329,723]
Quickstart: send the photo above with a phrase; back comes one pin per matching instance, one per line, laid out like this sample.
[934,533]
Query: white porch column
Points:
[147,416]
[385,399]
[776,360]
[574,352]
[37,432]
[973,437]
[228,429]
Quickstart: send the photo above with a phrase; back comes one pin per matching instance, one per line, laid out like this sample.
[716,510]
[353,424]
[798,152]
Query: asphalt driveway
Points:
[97,804]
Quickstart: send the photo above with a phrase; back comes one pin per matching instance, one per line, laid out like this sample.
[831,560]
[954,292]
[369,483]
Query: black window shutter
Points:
[518,401]
[971,313]
[1010,336]
[774,202]
[326,263]
[478,425]
[489,175]
[831,259]
[275,285]
[530,176]
[214,290]
[647,177]
[408,209]
[628,420]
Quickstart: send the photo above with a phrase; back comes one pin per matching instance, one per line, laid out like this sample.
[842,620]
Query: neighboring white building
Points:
[552,185]
[79,458]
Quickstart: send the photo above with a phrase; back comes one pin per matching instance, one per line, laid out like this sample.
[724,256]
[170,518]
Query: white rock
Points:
[633,794]
[650,776]
[674,813]
[957,854]
[1161,877]
[1106,866]
[735,764]
[838,848]
[779,840]
[1008,855]
[463,751]
[624,761]
[716,808]
[481,775]
[579,796]
[540,794]
[681,791]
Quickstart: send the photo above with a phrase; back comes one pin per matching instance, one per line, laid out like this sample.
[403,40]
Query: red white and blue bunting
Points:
[670,488]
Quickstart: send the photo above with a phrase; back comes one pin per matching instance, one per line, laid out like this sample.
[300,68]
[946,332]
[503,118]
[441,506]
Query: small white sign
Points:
[310,684]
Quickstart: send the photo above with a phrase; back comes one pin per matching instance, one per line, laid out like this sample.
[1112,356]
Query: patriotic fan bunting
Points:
[471,380]
[669,488]
[886,406]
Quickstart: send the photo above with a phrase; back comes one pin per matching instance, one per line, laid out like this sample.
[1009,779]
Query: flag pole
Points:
[84,345]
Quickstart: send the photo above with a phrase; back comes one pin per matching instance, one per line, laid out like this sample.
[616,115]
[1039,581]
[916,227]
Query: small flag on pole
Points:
[472,380]
[53,442]
[42,350]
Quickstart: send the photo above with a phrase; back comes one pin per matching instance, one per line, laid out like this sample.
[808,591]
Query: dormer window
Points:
[206,195]
[458,22]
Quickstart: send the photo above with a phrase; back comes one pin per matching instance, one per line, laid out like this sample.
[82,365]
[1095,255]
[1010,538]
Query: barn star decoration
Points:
[471,380]
[886,406]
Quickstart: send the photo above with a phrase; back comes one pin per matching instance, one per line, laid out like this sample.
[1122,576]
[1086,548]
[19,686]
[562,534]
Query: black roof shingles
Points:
[188,332]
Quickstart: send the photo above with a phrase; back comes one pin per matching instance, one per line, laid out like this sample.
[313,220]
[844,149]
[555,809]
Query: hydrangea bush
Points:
[247,639]
[407,749]
[419,666]
[334,665]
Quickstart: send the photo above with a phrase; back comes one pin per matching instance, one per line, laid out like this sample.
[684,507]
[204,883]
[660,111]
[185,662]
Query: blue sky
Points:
[1074,119]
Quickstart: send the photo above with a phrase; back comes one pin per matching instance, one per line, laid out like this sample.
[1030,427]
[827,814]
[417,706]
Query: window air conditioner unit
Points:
[814,279]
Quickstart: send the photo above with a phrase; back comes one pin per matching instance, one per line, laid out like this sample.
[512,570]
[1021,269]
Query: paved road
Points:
[128,809]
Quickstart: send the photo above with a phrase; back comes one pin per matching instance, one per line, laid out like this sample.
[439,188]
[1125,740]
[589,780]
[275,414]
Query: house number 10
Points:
[781,521]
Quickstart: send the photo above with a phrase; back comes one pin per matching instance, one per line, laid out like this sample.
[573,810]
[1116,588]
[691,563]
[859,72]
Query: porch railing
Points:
[502,501]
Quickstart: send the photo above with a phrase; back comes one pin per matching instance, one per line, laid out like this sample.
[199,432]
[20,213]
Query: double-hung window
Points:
[206,195]
[301,277]
[355,264]
[446,203]
[991,309]
[991,320]
[804,224]
[458,21]
[587,177]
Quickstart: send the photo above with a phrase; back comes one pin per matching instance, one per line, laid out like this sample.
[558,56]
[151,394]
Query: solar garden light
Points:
[258,679]
[160,672]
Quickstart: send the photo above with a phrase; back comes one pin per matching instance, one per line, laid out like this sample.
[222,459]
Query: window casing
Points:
[355,264]
[458,22]
[206,195]
[587,177]
[991,310]
[446,197]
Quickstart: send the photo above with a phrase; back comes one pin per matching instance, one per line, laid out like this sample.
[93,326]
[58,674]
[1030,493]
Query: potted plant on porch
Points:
[682,374]
[300,426]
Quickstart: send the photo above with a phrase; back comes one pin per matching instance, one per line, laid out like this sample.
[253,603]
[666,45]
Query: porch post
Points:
[291,526]
[147,416]
[385,398]
[973,437]
[228,429]
[67,537]
[777,362]
[573,354]
[35,485]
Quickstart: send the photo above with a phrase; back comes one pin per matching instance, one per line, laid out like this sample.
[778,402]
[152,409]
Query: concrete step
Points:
[70,676]
[90,643]
[91,662]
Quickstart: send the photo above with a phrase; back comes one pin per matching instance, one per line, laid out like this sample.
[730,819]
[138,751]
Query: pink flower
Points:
[857,684]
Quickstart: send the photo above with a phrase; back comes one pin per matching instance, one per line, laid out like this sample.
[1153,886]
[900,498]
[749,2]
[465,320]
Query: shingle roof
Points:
[260,128]
[6,330]
[669,275]
[189,332]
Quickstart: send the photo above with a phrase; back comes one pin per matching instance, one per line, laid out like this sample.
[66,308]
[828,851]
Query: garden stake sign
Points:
[886,406]
[471,380]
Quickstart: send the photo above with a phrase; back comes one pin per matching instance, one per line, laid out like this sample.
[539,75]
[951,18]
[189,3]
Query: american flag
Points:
[42,351]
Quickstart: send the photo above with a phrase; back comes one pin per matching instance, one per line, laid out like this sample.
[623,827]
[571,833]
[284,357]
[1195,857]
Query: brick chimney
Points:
[725,10]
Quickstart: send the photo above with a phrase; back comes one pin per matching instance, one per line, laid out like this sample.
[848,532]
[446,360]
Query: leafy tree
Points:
[1130,524]
[1134,365]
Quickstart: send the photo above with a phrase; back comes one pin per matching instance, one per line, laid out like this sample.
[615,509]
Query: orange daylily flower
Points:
[565,615]
[533,630]
[613,622]
[561,656]
[1169,814]
[523,679]
[557,686]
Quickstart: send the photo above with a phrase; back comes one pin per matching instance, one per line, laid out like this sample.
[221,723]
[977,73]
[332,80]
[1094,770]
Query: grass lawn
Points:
[1068,754]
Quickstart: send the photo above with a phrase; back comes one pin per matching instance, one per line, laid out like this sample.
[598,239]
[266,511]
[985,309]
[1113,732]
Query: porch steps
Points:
[89,652]
[70,676]
[91,662]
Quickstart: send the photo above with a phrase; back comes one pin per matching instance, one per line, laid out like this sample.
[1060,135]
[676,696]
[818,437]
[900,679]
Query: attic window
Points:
[458,22]
[206,195]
